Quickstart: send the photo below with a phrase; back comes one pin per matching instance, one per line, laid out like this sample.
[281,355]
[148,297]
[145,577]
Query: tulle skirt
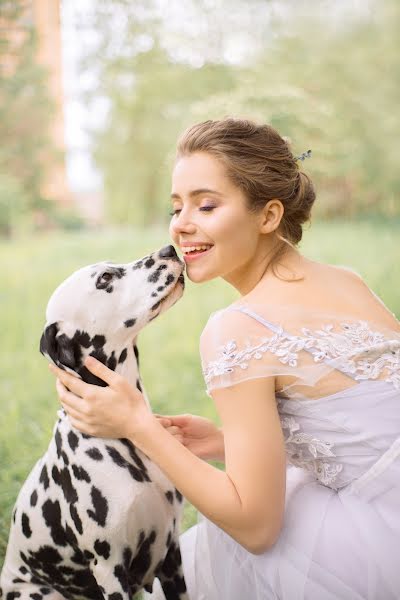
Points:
[334,545]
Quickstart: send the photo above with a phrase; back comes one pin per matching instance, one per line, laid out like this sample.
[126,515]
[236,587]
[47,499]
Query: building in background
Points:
[45,15]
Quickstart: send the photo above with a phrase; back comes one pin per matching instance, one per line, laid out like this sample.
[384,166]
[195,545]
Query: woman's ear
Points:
[271,216]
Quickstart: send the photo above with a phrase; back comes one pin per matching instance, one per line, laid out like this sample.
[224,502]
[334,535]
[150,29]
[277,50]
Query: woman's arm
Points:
[247,500]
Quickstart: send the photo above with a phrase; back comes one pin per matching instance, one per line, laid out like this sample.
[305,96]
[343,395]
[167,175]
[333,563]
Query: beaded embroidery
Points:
[355,350]
[306,451]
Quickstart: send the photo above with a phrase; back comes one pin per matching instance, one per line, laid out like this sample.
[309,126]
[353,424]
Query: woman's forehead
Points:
[199,171]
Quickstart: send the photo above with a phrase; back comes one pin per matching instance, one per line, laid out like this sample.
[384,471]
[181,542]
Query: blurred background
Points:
[93,95]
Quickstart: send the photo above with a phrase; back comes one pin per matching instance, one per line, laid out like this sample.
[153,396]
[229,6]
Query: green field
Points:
[32,268]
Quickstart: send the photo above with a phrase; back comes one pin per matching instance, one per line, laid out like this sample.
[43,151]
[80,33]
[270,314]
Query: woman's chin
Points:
[199,275]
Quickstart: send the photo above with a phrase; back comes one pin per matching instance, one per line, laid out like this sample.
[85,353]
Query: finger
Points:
[97,368]
[163,421]
[179,420]
[174,430]
[73,383]
[70,401]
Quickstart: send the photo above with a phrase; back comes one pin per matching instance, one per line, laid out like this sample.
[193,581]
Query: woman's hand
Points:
[200,435]
[116,411]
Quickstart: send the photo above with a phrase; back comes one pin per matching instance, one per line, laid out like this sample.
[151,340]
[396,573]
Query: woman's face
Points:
[218,235]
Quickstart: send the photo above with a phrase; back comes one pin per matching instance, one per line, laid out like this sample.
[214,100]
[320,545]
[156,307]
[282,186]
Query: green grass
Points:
[31,268]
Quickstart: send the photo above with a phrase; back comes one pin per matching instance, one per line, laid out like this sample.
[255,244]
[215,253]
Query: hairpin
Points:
[303,156]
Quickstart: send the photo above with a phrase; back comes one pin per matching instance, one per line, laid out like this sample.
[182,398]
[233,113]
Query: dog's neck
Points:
[124,361]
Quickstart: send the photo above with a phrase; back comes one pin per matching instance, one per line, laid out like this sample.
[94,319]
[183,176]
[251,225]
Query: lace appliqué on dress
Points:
[306,451]
[354,350]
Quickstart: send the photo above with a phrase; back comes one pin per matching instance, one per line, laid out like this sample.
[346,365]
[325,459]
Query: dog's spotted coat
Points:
[96,519]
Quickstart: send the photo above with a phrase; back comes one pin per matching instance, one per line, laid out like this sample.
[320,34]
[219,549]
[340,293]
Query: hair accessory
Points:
[303,156]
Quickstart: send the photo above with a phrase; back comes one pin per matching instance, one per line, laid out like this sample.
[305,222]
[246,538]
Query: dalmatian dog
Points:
[96,519]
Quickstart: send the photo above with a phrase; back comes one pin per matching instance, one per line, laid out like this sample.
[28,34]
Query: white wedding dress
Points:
[340,415]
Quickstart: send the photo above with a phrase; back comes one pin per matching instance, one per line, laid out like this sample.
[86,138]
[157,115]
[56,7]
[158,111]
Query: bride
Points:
[304,370]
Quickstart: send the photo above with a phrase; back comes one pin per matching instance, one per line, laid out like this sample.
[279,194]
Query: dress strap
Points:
[279,330]
[260,319]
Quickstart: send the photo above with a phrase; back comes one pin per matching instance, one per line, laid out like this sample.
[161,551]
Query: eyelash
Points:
[202,208]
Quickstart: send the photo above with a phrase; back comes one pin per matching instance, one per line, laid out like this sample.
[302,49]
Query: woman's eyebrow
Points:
[194,193]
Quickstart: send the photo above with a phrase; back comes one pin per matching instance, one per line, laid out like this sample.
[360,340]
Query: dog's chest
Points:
[100,484]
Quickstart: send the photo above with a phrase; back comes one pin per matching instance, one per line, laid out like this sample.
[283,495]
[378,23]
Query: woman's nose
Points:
[182,223]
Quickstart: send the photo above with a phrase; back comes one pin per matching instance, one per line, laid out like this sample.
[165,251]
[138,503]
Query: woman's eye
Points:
[175,212]
[207,208]
[106,276]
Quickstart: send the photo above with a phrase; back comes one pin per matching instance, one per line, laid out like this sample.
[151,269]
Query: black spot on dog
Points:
[23,570]
[130,322]
[14,515]
[110,289]
[58,440]
[170,279]
[102,548]
[26,528]
[45,591]
[82,338]
[156,305]
[172,561]
[34,498]
[135,457]
[80,473]
[100,506]
[63,479]
[93,274]
[149,263]
[65,458]
[98,341]
[136,351]
[112,361]
[122,356]
[137,265]
[70,535]
[170,497]
[154,277]
[115,596]
[51,512]
[154,295]
[138,385]
[94,454]
[44,478]
[160,288]
[119,460]
[13,595]
[76,518]
[178,495]
[73,440]
[48,554]
[36,596]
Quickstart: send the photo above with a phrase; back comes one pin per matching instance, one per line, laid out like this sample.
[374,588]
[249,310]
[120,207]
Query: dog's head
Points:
[100,309]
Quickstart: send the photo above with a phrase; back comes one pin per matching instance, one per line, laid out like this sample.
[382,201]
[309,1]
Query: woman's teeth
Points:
[188,249]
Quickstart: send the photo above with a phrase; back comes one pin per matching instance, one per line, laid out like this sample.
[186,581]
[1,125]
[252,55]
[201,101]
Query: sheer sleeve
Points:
[311,355]
[235,348]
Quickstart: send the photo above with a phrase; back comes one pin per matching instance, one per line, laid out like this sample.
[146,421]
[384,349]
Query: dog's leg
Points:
[171,575]
[28,591]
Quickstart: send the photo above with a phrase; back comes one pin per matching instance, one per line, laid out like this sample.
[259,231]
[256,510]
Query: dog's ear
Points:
[58,348]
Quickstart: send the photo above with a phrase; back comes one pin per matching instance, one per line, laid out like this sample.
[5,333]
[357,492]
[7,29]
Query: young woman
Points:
[304,369]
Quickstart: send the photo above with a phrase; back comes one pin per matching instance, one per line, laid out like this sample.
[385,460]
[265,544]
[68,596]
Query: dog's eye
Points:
[106,276]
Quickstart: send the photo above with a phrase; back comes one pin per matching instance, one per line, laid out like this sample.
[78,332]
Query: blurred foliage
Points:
[328,80]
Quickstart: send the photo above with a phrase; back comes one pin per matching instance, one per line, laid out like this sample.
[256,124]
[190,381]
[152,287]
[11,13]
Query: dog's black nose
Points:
[168,252]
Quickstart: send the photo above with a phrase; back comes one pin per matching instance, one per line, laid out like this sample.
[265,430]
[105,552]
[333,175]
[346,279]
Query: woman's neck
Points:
[290,267]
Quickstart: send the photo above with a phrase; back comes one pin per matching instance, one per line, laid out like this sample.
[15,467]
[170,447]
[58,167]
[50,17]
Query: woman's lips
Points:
[190,257]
